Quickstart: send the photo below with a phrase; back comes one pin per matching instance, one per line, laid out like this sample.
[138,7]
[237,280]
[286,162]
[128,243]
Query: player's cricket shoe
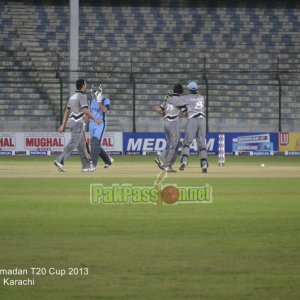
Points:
[60,167]
[89,169]
[204,166]
[170,170]
[111,162]
[182,166]
[159,163]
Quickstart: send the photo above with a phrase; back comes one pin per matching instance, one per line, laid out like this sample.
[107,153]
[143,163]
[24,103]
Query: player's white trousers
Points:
[195,129]
[77,141]
[168,156]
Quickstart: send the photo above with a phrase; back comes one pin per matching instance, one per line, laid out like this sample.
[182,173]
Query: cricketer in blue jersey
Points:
[99,106]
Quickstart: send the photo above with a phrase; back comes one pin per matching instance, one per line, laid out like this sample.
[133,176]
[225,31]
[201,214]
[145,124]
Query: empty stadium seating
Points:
[240,47]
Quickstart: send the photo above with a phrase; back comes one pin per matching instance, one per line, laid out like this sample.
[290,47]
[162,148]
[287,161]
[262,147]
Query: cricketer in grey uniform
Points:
[75,110]
[171,116]
[196,125]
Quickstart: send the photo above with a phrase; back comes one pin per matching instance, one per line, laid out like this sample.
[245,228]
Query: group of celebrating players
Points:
[190,106]
[79,111]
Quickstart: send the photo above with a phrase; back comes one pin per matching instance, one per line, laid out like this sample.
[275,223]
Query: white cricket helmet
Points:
[97,91]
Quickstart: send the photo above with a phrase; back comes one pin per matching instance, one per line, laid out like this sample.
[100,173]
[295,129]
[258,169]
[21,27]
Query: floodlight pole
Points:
[74,43]
[279,97]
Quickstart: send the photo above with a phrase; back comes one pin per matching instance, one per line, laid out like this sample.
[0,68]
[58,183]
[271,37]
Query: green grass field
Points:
[243,245]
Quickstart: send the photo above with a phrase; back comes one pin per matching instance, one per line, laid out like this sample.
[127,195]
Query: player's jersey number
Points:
[199,105]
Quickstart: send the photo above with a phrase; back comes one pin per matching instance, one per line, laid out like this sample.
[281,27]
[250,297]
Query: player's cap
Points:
[192,86]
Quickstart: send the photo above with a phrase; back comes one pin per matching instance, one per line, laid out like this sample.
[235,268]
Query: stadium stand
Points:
[243,48]
[29,86]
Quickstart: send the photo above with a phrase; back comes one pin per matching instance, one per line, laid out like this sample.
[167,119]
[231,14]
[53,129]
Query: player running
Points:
[196,126]
[170,113]
[99,106]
